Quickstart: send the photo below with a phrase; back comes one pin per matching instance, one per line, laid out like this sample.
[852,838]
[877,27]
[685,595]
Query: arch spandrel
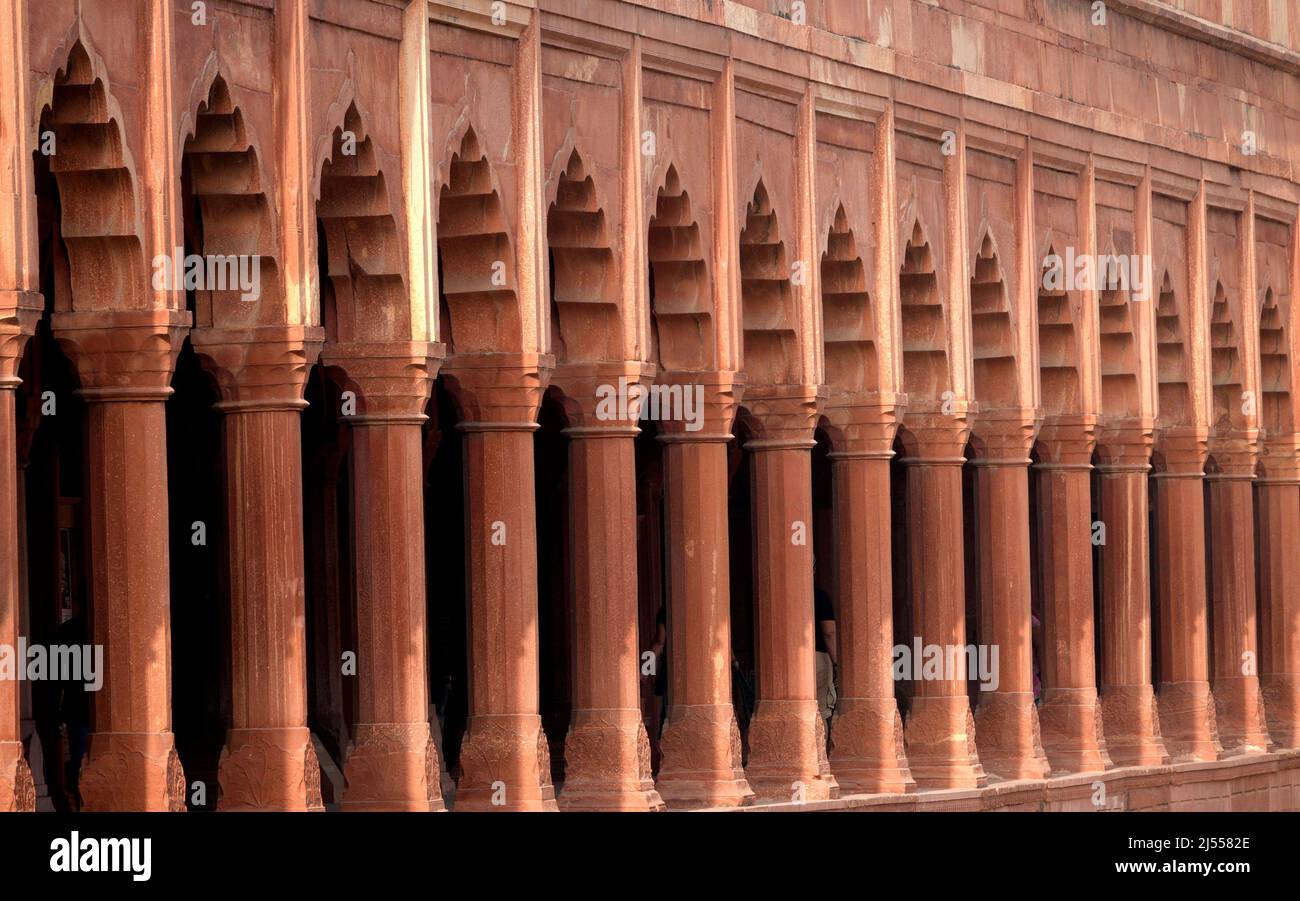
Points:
[224,176]
[683,320]
[852,365]
[768,314]
[587,320]
[366,301]
[925,337]
[1233,348]
[1276,278]
[102,222]
[480,308]
[996,361]
[1184,394]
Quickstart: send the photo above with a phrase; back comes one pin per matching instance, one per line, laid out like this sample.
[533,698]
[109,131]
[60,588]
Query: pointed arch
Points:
[479,308]
[222,176]
[848,320]
[586,325]
[1275,368]
[766,297]
[1058,350]
[1118,341]
[680,303]
[100,216]
[363,293]
[925,326]
[992,333]
[1225,359]
[1171,359]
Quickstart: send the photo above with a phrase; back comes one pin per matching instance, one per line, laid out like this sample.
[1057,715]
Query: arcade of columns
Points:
[844,222]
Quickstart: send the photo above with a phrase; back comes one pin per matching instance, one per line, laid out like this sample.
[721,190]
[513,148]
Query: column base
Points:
[392,767]
[1188,719]
[17,790]
[1239,713]
[607,763]
[701,759]
[867,755]
[787,753]
[1073,739]
[1133,726]
[268,769]
[505,765]
[133,771]
[941,743]
[1281,693]
[1010,741]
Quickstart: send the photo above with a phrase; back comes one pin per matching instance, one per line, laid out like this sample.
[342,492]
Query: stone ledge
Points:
[1255,782]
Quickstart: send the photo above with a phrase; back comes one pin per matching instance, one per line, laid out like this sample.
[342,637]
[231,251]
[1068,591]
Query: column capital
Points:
[498,392]
[604,398]
[722,392]
[932,437]
[123,355]
[261,368]
[783,416]
[863,429]
[1279,460]
[392,380]
[1005,437]
[1068,440]
[1235,452]
[16,326]
[1126,446]
[1182,451]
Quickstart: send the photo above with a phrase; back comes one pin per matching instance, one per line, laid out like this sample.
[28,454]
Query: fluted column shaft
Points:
[1279,610]
[1234,668]
[17,791]
[125,362]
[505,761]
[268,762]
[701,764]
[1070,715]
[867,731]
[1006,719]
[393,763]
[607,750]
[941,727]
[787,737]
[1128,701]
[1186,704]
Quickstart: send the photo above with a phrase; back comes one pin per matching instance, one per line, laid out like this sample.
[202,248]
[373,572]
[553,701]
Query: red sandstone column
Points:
[1278,493]
[701,742]
[392,763]
[1070,715]
[1127,699]
[268,762]
[1187,716]
[787,736]
[1239,705]
[941,729]
[867,731]
[17,790]
[1010,744]
[125,361]
[607,750]
[505,762]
